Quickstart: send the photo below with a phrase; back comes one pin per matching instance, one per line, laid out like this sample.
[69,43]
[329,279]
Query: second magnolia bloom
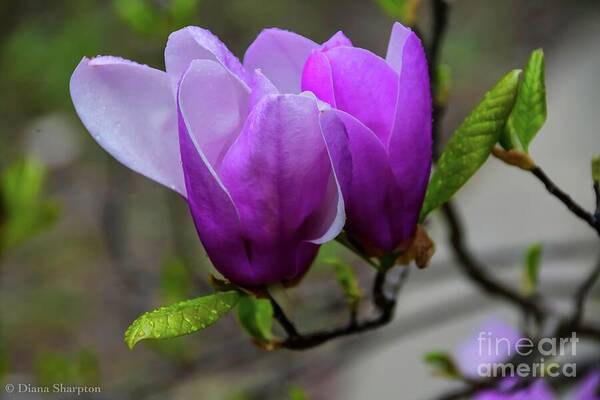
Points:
[384,159]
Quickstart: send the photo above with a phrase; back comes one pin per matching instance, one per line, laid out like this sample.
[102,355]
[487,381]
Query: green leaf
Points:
[23,210]
[175,281]
[529,112]
[403,10]
[347,280]
[138,14]
[443,363]
[444,83]
[256,317]
[471,144]
[182,10]
[297,393]
[4,361]
[596,169]
[181,318]
[533,258]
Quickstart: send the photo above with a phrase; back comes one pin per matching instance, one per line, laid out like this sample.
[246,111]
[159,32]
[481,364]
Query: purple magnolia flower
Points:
[538,390]
[383,159]
[589,388]
[243,147]
[496,342]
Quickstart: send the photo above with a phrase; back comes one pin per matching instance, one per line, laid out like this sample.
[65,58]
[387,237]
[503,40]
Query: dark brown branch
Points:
[566,199]
[287,325]
[477,272]
[385,306]
[597,193]
[440,22]
[583,293]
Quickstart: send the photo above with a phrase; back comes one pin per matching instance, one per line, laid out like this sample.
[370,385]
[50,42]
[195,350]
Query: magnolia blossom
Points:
[589,389]
[384,158]
[495,342]
[244,147]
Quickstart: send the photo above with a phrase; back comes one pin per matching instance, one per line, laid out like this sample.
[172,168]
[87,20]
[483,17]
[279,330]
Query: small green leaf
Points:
[175,281]
[533,258]
[256,317]
[181,318]
[471,144]
[444,83]
[347,280]
[3,360]
[596,169]
[297,393]
[403,10]
[443,363]
[139,15]
[182,10]
[529,112]
[23,210]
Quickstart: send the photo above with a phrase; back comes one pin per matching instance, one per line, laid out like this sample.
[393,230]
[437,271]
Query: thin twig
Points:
[385,306]
[287,325]
[566,199]
[583,293]
[476,272]
[440,22]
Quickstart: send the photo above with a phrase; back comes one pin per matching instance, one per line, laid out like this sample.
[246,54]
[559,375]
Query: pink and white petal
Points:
[337,40]
[195,43]
[365,86]
[410,144]
[215,216]
[279,172]
[364,174]
[281,56]
[130,111]
[317,77]
[221,105]
[396,45]
[260,87]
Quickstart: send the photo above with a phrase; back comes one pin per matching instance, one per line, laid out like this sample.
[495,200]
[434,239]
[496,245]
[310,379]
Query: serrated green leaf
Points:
[529,113]
[596,168]
[471,144]
[533,258]
[297,393]
[175,280]
[256,317]
[23,210]
[346,279]
[443,363]
[181,318]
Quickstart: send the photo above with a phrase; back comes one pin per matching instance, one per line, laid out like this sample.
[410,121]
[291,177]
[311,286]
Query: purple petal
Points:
[214,213]
[317,77]
[538,390]
[410,143]
[194,43]
[366,180]
[281,56]
[364,85]
[219,112]
[280,177]
[260,87]
[337,40]
[130,111]
[494,342]
[589,389]
[396,45]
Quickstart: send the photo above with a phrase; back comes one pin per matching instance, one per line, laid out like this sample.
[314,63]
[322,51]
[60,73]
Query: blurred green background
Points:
[89,245]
